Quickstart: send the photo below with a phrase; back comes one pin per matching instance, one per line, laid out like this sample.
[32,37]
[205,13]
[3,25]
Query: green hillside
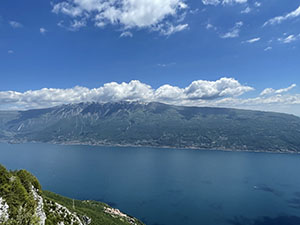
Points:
[22,201]
[154,124]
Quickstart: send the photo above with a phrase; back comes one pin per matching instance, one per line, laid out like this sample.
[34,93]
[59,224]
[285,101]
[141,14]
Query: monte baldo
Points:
[153,124]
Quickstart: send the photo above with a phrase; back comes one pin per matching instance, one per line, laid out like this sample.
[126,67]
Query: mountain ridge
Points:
[154,124]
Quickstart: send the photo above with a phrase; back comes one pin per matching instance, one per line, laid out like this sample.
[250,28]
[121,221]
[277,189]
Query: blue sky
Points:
[228,53]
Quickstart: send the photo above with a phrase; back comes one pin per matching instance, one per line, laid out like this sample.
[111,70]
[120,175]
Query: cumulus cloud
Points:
[126,13]
[280,19]
[234,32]
[225,92]
[277,100]
[271,91]
[203,89]
[197,92]
[15,24]
[284,103]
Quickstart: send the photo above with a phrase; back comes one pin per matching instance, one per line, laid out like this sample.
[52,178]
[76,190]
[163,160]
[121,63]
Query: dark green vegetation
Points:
[17,190]
[154,124]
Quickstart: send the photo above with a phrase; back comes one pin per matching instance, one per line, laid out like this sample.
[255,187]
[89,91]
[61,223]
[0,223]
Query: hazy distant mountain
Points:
[154,124]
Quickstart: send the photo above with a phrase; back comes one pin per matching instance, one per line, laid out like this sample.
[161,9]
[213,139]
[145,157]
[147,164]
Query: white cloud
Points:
[289,39]
[15,24]
[74,25]
[197,92]
[246,10]
[10,52]
[61,24]
[126,13]
[234,32]
[284,103]
[171,29]
[224,2]
[277,100]
[166,64]
[209,26]
[233,1]
[43,30]
[67,8]
[253,40]
[280,19]
[257,4]
[126,34]
[77,24]
[268,48]
[211,2]
[270,91]
[203,89]
[224,92]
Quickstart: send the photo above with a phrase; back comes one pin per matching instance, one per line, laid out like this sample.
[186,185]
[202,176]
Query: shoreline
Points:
[151,146]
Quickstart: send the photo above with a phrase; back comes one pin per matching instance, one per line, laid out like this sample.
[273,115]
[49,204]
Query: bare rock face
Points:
[62,212]
[4,216]
[40,213]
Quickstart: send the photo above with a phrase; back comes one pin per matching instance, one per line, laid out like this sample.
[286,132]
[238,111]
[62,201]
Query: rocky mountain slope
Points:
[154,124]
[22,202]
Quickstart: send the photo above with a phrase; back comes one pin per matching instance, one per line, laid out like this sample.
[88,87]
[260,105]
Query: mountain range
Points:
[153,124]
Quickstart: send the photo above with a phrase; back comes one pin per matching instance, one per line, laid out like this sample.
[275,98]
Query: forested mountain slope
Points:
[154,124]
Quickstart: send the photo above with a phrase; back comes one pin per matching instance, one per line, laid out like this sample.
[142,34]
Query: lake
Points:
[169,186]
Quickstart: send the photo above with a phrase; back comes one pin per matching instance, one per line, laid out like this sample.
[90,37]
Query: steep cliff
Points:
[22,202]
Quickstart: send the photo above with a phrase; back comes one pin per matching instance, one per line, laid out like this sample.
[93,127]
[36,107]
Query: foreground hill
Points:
[154,124]
[23,202]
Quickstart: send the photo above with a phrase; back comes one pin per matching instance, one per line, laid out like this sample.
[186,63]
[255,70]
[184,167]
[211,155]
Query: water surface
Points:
[169,186]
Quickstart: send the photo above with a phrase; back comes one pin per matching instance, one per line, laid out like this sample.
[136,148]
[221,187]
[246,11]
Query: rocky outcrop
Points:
[62,212]
[39,211]
[22,201]
[3,211]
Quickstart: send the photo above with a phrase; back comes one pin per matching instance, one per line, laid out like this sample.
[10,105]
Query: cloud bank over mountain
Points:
[200,90]
[225,92]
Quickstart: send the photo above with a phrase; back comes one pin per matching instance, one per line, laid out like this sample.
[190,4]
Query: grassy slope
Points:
[92,209]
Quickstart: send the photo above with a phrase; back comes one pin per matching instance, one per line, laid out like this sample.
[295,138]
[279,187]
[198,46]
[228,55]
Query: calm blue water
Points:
[169,186]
